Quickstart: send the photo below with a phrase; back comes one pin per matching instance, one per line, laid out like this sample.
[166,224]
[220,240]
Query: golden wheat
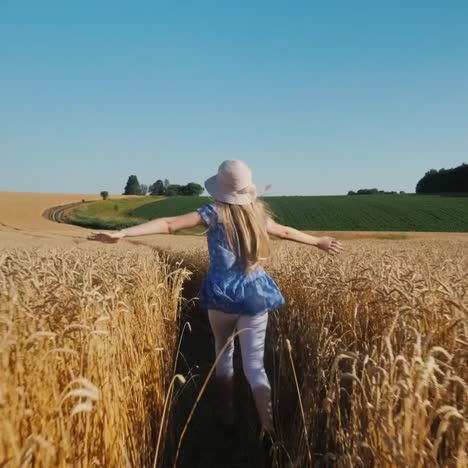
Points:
[87,347]
[379,341]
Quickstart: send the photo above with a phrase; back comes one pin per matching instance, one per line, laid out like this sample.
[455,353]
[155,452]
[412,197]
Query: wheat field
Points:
[87,341]
[368,359]
[378,341]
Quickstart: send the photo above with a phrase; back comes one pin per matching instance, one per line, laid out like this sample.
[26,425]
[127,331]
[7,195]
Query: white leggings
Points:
[251,341]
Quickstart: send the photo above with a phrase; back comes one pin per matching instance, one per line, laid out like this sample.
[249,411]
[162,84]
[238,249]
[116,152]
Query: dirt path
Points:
[205,444]
[59,213]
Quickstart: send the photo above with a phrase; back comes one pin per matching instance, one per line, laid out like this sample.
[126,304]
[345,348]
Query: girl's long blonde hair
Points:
[246,231]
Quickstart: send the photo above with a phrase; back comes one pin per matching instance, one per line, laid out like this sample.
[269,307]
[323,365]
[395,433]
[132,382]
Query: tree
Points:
[157,188]
[143,189]
[196,189]
[165,188]
[104,194]
[173,189]
[367,191]
[133,186]
[444,180]
[351,192]
[193,189]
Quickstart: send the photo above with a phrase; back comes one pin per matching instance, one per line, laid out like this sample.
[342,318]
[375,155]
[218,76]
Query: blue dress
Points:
[227,287]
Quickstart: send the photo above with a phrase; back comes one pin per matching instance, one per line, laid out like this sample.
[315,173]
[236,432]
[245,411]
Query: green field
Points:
[378,212]
[110,214]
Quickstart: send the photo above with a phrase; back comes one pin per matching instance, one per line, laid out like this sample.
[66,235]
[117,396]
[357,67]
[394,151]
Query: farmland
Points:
[110,214]
[425,213]
[378,341]
[90,356]
[377,338]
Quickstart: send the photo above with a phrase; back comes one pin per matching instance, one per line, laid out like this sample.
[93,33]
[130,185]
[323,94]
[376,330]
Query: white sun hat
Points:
[232,184]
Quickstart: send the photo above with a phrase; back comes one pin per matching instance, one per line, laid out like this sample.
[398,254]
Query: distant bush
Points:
[104,194]
[191,189]
[171,190]
[371,192]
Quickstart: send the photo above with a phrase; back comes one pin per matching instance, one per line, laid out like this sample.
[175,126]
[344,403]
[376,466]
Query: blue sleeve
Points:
[207,213]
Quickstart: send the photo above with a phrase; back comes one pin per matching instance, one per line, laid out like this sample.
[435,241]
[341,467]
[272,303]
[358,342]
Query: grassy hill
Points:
[111,213]
[378,212]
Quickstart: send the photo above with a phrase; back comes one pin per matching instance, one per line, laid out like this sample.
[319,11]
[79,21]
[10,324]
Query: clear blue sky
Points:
[318,100]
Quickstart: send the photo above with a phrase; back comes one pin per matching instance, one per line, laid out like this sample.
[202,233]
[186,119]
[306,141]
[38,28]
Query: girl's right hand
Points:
[330,245]
[106,237]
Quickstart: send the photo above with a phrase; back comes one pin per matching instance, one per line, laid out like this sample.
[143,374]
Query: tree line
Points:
[372,191]
[161,187]
[434,181]
[444,180]
[454,180]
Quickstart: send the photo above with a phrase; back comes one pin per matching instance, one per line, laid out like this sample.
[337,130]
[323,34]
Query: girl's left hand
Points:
[330,245]
[106,237]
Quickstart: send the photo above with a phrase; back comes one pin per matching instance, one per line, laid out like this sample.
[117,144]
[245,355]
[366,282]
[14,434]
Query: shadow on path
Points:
[205,444]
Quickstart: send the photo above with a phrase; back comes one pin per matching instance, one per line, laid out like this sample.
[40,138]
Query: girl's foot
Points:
[224,409]
[262,398]
[268,449]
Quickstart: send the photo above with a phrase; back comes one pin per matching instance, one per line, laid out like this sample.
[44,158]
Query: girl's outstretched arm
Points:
[155,226]
[328,244]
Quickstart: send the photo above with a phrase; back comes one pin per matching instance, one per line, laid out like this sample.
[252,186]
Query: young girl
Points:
[237,292]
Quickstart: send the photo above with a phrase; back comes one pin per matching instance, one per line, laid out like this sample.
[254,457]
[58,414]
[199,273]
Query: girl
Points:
[237,291]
